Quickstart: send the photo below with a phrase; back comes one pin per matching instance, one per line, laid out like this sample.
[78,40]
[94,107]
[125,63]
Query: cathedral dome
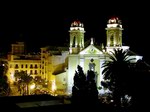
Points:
[76,23]
[114,20]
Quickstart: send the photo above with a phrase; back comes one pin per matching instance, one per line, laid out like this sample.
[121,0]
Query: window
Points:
[31,72]
[35,71]
[36,66]
[16,66]
[31,66]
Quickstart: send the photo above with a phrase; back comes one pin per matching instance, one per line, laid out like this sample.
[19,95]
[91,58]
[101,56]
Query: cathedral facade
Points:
[57,65]
[92,57]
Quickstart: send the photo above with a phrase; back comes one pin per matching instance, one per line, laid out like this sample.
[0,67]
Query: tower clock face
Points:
[92,50]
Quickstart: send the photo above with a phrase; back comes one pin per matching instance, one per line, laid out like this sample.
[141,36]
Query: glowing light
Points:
[113,25]
[77,28]
[53,85]
[12,77]
[111,49]
[70,50]
[32,86]
[92,41]
[136,58]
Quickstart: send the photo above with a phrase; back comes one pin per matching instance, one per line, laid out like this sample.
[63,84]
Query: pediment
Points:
[91,49]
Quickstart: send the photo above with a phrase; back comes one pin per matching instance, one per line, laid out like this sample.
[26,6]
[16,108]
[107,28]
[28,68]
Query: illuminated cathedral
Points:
[57,65]
[92,57]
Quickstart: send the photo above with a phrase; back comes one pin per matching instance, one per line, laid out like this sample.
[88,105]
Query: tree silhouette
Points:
[4,85]
[91,88]
[116,74]
[78,89]
[140,85]
[84,90]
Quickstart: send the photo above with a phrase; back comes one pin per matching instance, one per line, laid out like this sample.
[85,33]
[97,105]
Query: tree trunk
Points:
[27,89]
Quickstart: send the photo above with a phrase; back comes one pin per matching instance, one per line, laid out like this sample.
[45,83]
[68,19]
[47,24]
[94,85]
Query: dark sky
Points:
[40,24]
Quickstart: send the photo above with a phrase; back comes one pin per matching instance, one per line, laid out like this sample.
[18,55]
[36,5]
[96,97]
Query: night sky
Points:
[41,24]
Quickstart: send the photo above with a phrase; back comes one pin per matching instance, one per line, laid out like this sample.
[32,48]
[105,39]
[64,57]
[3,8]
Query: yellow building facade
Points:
[19,61]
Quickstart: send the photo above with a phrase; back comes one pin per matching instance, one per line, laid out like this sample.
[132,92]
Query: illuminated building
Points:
[19,61]
[53,66]
[92,57]
[57,65]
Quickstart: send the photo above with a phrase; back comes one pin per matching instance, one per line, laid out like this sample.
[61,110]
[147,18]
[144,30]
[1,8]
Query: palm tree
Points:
[24,80]
[116,74]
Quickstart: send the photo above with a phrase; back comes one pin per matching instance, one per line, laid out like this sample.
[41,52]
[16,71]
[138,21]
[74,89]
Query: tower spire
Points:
[76,37]
[92,41]
[114,32]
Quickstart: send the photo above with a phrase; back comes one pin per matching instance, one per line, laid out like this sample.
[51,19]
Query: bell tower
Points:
[76,37]
[114,32]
